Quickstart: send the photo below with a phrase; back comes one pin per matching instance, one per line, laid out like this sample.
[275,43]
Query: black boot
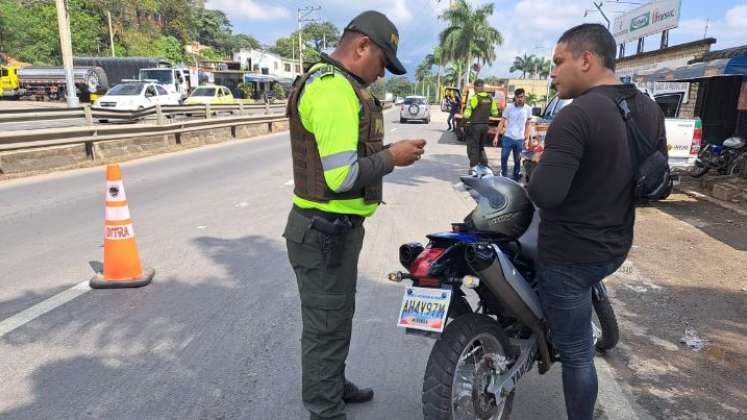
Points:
[353,394]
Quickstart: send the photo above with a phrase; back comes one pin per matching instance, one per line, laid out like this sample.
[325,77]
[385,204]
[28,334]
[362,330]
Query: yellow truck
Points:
[10,87]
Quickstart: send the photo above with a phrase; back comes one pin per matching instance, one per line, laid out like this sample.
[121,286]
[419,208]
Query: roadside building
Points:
[683,94]
[264,62]
[720,80]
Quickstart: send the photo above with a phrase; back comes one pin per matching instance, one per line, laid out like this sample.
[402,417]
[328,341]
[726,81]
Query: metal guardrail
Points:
[166,111]
[24,139]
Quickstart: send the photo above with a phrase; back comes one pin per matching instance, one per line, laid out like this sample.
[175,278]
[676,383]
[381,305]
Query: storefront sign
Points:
[646,20]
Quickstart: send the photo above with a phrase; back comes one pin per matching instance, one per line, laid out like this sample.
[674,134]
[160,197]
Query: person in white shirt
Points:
[516,120]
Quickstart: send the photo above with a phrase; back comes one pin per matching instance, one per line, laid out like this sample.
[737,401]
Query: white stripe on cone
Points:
[117,214]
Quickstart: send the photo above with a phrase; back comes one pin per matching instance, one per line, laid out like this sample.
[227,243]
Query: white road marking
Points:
[42,308]
[289,183]
[395,129]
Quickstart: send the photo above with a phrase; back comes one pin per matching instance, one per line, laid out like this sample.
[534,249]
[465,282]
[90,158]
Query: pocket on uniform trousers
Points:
[303,248]
[326,313]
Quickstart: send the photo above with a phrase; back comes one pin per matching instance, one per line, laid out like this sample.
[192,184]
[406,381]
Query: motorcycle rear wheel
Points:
[608,328]
[472,351]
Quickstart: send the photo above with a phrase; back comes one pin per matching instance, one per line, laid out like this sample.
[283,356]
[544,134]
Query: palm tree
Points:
[453,73]
[545,66]
[522,64]
[469,35]
[436,58]
[422,73]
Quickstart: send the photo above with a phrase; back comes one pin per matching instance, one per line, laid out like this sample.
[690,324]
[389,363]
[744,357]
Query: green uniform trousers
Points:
[477,138]
[327,307]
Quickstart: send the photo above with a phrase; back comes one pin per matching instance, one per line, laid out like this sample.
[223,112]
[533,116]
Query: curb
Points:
[720,203]
[614,402]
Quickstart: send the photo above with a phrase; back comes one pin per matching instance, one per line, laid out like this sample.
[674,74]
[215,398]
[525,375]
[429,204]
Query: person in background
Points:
[477,115]
[455,106]
[515,119]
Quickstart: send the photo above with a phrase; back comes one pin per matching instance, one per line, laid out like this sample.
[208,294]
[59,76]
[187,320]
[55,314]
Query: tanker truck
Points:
[50,82]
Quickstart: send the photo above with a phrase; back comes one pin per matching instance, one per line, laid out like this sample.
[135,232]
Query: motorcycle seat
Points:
[528,240]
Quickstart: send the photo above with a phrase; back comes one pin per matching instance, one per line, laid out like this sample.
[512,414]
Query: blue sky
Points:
[527,25]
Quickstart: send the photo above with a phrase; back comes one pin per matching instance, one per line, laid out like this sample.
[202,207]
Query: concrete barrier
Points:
[44,158]
[90,153]
[250,130]
[118,149]
[280,126]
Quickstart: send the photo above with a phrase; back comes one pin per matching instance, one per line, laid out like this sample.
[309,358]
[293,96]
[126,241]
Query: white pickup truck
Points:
[683,134]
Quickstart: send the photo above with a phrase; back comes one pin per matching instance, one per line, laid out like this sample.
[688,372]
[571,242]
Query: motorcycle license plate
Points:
[424,309]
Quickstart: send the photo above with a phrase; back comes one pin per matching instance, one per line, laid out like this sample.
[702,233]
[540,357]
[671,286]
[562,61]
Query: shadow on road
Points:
[718,223]
[182,347]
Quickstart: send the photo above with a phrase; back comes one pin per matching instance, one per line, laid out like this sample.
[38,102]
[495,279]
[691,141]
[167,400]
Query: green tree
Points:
[171,49]
[399,86]
[210,26]
[29,31]
[522,64]
[317,33]
[544,67]
[285,47]
[469,36]
[247,88]
[278,90]
[177,16]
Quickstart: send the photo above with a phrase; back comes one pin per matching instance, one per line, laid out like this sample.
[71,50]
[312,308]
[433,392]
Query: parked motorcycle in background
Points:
[728,158]
[486,341]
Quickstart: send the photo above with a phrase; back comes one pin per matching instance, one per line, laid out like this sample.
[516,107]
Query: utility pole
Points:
[111,33]
[705,34]
[599,7]
[66,48]
[303,16]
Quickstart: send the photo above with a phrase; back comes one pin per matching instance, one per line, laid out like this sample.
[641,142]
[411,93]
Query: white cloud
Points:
[248,9]
[736,17]
[730,31]
[533,26]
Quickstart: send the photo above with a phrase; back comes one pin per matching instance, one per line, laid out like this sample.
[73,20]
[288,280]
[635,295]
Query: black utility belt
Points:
[330,223]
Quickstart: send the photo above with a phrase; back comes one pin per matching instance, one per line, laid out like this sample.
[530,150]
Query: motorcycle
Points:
[486,342]
[728,158]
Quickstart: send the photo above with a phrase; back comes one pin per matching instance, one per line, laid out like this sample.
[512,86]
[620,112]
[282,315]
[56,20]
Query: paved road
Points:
[216,335]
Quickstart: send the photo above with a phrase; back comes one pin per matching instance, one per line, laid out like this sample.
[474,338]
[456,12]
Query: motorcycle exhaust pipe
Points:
[512,292]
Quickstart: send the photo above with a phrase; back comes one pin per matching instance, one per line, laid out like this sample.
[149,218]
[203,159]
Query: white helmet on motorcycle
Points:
[503,207]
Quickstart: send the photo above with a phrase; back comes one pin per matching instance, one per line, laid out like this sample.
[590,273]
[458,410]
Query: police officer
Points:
[339,160]
[477,115]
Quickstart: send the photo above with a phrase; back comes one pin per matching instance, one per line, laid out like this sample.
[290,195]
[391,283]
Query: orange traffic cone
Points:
[122,267]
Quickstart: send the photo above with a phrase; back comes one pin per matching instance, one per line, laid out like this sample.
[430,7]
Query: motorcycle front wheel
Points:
[472,353]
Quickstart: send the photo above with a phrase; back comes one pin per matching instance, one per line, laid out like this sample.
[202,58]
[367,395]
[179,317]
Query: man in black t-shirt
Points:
[583,186]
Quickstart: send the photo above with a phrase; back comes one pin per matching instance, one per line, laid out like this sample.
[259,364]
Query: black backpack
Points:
[652,176]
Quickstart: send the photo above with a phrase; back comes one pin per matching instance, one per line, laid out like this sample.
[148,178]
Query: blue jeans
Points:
[565,292]
[507,145]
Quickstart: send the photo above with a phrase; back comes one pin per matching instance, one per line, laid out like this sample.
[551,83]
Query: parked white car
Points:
[415,108]
[135,95]
[683,134]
